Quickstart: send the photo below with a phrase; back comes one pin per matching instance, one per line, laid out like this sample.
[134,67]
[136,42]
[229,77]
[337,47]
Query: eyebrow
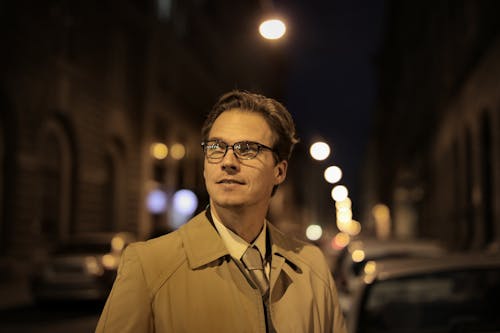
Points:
[214,139]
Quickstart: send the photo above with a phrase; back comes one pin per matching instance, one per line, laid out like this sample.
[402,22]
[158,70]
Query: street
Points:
[53,318]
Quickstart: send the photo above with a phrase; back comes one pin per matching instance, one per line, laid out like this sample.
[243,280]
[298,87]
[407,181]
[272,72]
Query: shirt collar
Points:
[237,245]
[203,244]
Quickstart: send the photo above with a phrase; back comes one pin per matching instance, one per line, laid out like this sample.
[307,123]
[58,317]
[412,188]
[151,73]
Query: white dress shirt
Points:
[237,245]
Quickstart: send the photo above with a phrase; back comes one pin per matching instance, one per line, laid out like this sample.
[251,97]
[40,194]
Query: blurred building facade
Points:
[435,154]
[88,86]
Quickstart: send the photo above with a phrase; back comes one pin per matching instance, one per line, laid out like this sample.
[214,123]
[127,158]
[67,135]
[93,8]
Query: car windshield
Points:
[454,301]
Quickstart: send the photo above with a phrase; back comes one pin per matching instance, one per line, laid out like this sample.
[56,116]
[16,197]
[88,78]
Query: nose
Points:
[230,163]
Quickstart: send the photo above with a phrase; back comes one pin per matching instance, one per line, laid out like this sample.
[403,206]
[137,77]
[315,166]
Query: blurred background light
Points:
[319,150]
[339,193]
[370,267]
[358,255]
[184,204]
[110,261]
[333,174]
[117,243]
[314,232]
[382,216]
[344,216]
[156,201]
[381,212]
[272,29]
[92,266]
[340,241]
[159,150]
[177,151]
[353,228]
[343,204]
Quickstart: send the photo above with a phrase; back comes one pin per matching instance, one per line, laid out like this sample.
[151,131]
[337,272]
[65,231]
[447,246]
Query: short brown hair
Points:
[276,115]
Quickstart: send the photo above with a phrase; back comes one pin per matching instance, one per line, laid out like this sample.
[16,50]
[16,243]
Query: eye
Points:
[214,145]
[215,148]
[247,148]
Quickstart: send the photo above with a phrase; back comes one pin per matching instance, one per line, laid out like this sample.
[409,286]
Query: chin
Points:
[229,203]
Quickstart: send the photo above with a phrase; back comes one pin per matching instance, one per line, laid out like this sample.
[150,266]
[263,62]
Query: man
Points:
[199,278]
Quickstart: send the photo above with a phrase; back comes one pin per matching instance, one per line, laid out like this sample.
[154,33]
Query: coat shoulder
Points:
[302,253]
[160,257]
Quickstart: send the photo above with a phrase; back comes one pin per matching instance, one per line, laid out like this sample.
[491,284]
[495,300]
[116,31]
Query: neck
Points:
[245,222]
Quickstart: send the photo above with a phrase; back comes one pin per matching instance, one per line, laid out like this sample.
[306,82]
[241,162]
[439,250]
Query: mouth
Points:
[230,181]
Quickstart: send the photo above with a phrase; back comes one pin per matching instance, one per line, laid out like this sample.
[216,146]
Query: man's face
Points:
[238,183]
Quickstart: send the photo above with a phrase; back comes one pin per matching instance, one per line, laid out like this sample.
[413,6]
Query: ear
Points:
[280,172]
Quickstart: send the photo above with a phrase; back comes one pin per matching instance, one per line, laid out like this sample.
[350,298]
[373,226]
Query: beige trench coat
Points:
[186,281]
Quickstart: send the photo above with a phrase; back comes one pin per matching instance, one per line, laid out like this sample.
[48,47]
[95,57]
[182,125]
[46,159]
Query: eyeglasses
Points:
[215,150]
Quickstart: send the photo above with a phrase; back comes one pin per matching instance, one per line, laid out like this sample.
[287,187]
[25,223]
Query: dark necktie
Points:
[253,263]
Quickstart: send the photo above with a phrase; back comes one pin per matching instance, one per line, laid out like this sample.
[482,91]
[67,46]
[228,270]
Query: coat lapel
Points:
[201,241]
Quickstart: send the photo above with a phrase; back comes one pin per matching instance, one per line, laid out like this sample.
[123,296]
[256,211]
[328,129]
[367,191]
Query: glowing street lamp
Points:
[320,150]
[333,174]
[339,193]
[314,232]
[272,29]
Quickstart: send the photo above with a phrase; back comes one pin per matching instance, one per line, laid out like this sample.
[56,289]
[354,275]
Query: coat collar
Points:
[203,244]
[201,241]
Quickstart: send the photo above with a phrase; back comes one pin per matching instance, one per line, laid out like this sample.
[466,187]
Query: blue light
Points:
[185,203]
[156,201]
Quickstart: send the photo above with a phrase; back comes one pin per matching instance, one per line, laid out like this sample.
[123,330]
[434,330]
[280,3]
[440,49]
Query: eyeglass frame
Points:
[260,147]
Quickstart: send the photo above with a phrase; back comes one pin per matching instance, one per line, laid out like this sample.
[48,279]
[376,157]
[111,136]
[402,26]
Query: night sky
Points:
[331,92]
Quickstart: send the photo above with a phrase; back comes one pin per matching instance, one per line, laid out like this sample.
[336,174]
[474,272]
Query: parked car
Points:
[454,293]
[351,262]
[83,268]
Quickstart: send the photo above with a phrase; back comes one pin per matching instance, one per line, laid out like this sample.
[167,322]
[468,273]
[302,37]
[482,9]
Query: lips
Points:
[230,181]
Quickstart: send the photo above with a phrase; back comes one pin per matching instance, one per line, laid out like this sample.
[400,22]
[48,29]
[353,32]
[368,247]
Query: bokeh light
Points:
[340,241]
[370,267]
[110,261]
[353,228]
[358,255]
[339,193]
[184,204]
[159,150]
[177,151]
[272,29]
[344,215]
[319,150]
[117,243]
[343,204]
[156,201]
[333,174]
[314,232]
[382,216]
